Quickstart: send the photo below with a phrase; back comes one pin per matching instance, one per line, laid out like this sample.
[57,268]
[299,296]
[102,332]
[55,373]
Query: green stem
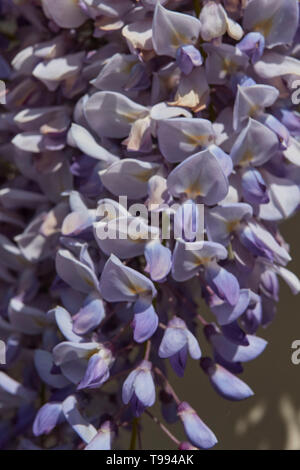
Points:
[121,331]
[230,252]
[163,427]
[167,386]
[147,350]
[197,7]
[212,112]
[134,433]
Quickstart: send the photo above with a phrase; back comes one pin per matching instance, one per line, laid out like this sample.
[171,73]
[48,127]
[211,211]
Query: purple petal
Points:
[278,21]
[188,57]
[178,361]
[66,13]
[223,220]
[103,439]
[200,176]
[73,272]
[255,144]
[180,138]
[173,341]
[43,362]
[189,258]
[80,425]
[254,187]
[111,114]
[65,324]
[171,29]
[253,45]
[234,333]
[227,313]
[251,100]
[144,388]
[196,430]
[145,325]
[234,353]
[159,260]
[223,283]
[88,145]
[96,374]
[128,386]
[47,418]
[120,283]
[224,382]
[89,316]
[135,177]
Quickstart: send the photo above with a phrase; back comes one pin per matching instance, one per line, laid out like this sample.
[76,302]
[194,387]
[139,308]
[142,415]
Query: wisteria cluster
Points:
[165,102]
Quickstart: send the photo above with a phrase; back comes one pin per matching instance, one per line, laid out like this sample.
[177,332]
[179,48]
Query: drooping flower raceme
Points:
[126,129]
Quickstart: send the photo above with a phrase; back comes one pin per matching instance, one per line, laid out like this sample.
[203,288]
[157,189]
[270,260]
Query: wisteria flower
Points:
[149,152]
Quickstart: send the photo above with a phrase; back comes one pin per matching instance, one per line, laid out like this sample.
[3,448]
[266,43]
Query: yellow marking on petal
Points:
[195,190]
[229,66]
[40,322]
[202,261]
[264,27]
[88,281]
[198,140]
[246,158]
[253,110]
[138,290]
[145,175]
[25,96]
[232,225]
[178,39]
[131,117]
[128,67]
[231,255]
[89,354]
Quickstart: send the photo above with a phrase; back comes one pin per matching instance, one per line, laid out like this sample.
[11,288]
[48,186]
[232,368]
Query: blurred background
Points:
[270,419]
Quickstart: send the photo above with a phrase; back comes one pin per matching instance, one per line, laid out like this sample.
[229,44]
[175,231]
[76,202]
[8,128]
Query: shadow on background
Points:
[270,419]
